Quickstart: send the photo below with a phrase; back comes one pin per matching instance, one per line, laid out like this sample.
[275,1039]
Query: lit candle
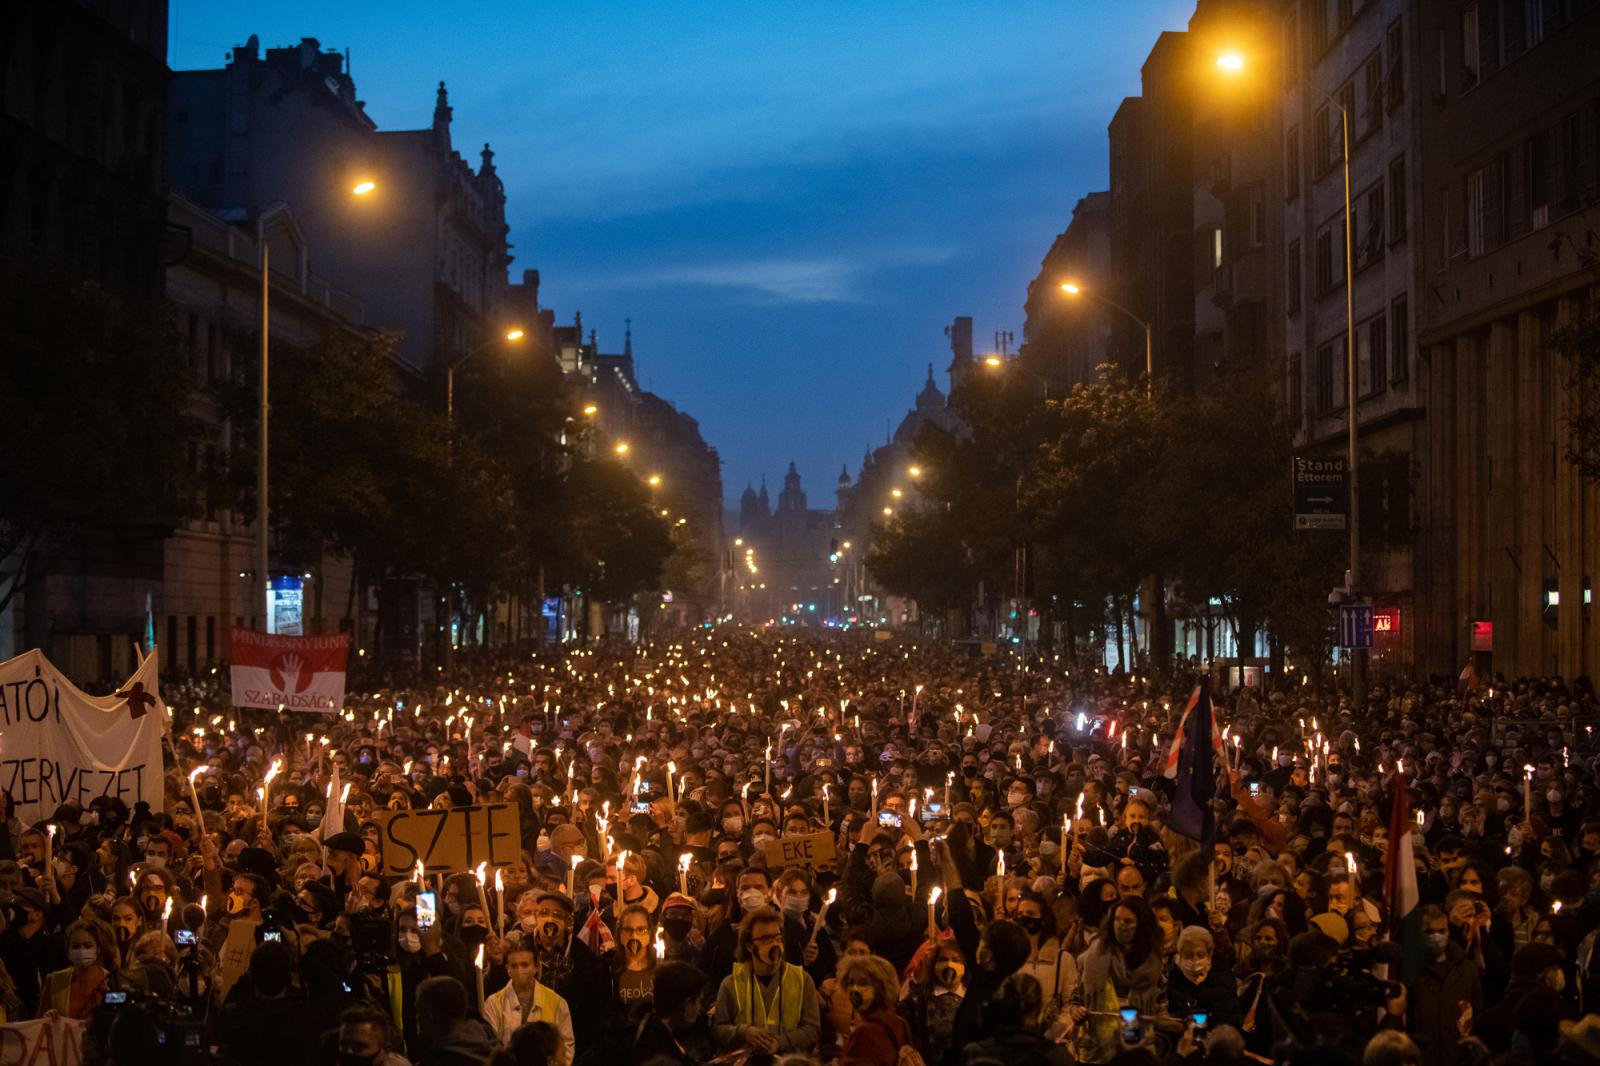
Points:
[913,870]
[827,816]
[661,946]
[672,772]
[767,786]
[874,798]
[50,850]
[999,883]
[822,915]
[194,797]
[1064,845]
[949,779]
[933,899]
[420,874]
[1527,792]
[499,905]
[683,873]
[572,876]
[478,965]
[1350,868]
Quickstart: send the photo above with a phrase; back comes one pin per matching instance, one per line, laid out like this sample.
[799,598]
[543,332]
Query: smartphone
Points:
[644,788]
[186,938]
[640,807]
[427,910]
[932,812]
[1199,1019]
[274,936]
[1133,790]
[1255,788]
[889,818]
[1131,1030]
[115,998]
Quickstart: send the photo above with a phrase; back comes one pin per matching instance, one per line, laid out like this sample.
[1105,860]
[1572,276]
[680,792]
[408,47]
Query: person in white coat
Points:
[524,999]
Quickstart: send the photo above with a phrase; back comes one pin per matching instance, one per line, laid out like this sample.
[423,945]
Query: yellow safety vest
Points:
[752,1007]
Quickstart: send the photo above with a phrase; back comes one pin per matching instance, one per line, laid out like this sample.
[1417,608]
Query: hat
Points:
[257,861]
[678,899]
[1332,926]
[557,897]
[565,834]
[347,842]
[32,897]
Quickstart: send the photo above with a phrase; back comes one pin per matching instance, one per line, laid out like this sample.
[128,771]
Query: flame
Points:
[478,962]
[683,862]
[933,896]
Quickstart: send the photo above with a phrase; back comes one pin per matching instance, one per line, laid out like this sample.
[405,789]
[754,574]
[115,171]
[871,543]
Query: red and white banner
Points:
[294,673]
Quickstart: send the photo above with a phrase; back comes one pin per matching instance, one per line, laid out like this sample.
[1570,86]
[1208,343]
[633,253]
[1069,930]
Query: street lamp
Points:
[591,409]
[263,510]
[511,336]
[622,447]
[915,471]
[1233,63]
[995,362]
[654,480]
[1072,288]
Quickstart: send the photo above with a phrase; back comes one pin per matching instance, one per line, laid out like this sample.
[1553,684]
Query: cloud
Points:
[777,279]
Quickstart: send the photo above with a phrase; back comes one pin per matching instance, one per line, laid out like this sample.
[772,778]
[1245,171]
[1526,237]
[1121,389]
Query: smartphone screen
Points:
[1130,1025]
[185,938]
[273,935]
[932,811]
[889,818]
[640,807]
[1199,1019]
[1255,788]
[427,910]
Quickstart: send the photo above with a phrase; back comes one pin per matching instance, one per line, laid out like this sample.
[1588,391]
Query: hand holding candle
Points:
[683,872]
[933,900]
[822,915]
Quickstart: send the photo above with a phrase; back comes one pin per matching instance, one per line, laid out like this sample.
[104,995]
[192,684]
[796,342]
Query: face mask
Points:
[1195,970]
[676,928]
[1016,799]
[410,942]
[234,904]
[473,935]
[761,840]
[1547,882]
[1435,942]
[1447,813]
[948,973]
[1553,796]
[155,862]
[752,899]
[1000,836]
[796,905]
[1502,804]
[733,824]
[83,958]
[1030,923]
[1490,760]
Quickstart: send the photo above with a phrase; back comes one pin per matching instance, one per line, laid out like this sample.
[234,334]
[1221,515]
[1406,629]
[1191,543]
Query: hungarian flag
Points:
[1196,774]
[1400,881]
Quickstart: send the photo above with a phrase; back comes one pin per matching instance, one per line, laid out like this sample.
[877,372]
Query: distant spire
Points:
[627,338]
[930,365]
[442,112]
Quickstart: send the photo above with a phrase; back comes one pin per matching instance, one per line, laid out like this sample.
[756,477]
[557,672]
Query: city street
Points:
[799,534]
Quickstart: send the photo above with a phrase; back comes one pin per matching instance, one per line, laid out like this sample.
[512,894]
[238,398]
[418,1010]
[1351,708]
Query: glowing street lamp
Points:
[1072,288]
[622,447]
[362,188]
[591,409]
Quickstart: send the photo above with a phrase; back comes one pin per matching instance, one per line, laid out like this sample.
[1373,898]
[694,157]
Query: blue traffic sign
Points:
[1355,625]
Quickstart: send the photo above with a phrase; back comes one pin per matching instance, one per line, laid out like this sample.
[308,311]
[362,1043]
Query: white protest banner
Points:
[293,673]
[61,745]
[52,1041]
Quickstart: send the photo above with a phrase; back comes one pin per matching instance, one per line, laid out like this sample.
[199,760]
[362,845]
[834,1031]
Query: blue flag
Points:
[1196,779]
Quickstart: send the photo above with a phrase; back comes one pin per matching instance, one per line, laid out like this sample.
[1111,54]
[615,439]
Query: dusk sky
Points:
[789,200]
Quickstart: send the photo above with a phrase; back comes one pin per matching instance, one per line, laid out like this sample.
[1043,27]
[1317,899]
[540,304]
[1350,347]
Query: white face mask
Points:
[410,942]
[752,899]
[734,824]
[83,958]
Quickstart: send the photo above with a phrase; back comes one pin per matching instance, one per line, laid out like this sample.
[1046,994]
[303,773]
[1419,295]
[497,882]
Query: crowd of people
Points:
[777,848]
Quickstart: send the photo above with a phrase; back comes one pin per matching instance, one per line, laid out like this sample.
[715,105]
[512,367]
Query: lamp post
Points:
[263,510]
[1233,63]
[995,362]
[511,336]
[1072,288]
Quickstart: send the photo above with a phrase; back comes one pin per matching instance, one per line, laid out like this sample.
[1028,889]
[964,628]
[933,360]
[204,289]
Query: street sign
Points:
[1355,625]
[1321,493]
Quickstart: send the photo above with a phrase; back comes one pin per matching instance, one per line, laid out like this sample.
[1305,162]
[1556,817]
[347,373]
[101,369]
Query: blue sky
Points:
[790,200]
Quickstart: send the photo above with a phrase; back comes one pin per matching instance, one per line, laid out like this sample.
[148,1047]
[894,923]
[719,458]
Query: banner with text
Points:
[52,1041]
[449,840]
[294,673]
[61,745]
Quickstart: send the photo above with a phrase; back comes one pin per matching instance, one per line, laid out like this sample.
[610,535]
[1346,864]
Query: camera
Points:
[1346,984]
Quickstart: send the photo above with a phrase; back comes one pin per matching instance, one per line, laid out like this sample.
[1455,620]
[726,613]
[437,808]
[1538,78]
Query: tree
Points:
[97,437]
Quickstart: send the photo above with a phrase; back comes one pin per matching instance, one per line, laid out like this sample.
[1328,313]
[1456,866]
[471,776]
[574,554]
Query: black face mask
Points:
[350,1058]
[473,935]
[715,897]
[826,878]
[968,770]
[1030,923]
[676,928]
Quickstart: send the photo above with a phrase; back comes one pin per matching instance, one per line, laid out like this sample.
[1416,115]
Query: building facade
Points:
[1509,246]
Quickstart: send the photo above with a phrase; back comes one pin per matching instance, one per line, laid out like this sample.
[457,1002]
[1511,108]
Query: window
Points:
[1291,163]
[1395,51]
[1400,335]
[1369,227]
[1374,362]
[1257,202]
[1291,46]
[1292,296]
[1471,63]
[1330,255]
[1472,207]
[1397,200]
[1297,387]
[1216,247]
[1317,12]
[1444,65]
[1372,108]
[1538,155]
[1322,145]
[1325,379]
